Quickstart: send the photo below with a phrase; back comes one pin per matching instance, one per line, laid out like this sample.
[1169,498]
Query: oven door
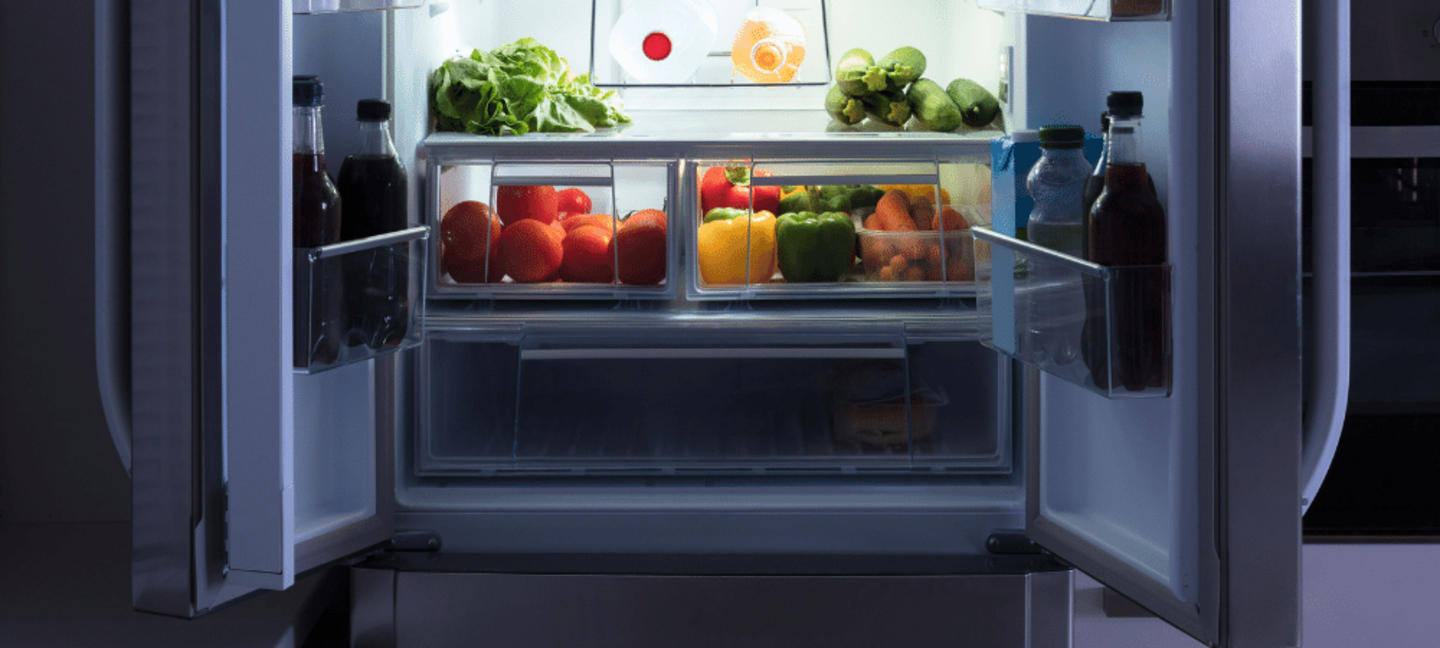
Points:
[1382,483]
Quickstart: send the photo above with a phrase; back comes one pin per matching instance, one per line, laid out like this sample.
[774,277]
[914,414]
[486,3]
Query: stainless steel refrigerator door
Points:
[217,449]
[1190,505]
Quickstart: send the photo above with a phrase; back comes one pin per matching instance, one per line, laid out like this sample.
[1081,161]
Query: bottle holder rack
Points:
[1107,329]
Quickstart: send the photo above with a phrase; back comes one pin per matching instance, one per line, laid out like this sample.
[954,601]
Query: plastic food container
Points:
[887,425]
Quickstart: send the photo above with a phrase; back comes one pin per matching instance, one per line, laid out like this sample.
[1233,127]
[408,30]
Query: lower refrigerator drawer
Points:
[998,601]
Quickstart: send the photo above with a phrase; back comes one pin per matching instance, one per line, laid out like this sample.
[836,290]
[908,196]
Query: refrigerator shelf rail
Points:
[345,6]
[358,300]
[1107,10]
[1106,329]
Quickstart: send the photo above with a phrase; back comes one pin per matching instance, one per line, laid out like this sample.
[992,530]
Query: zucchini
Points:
[903,66]
[844,108]
[850,73]
[933,106]
[888,107]
[977,106]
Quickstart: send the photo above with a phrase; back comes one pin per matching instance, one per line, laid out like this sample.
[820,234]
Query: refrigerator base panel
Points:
[1006,604]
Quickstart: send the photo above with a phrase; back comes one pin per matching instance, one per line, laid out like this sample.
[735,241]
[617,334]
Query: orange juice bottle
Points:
[769,47]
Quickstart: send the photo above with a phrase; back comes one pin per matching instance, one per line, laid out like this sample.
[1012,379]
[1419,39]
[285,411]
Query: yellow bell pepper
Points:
[722,249]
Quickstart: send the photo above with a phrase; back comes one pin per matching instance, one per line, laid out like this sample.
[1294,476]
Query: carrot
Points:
[914,273]
[872,222]
[892,212]
[952,221]
[923,211]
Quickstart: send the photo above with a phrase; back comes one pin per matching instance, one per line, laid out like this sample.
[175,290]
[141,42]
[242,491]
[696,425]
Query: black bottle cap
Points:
[372,110]
[307,91]
[1125,104]
[1062,137]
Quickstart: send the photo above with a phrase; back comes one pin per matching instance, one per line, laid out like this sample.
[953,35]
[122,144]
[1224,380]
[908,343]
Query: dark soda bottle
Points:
[372,186]
[1127,232]
[316,221]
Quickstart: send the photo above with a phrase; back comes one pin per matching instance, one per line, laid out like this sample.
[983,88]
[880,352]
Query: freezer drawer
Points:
[636,601]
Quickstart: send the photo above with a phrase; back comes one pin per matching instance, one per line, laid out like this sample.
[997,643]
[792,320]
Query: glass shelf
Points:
[1109,10]
[1106,329]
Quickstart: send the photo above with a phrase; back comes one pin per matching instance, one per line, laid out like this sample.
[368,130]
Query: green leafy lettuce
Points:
[516,89]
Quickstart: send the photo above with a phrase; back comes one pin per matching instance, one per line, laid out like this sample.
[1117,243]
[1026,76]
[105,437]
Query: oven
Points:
[1383,482]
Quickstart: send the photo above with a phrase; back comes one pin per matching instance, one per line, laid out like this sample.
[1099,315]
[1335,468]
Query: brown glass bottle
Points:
[1128,347]
[372,185]
[316,221]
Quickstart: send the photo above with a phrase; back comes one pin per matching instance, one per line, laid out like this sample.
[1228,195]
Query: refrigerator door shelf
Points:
[359,299]
[1068,318]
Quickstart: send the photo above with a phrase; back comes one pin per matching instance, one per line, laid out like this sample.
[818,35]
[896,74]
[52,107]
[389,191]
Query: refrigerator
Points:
[698,444]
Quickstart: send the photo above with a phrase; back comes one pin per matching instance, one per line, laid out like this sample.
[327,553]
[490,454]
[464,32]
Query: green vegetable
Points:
[516,89]
[725,213]
[844,108]
[796,201]
[815,247]
[933,107]
[865,196]
[902,66]
[888,108]
[977,106]
[850,73]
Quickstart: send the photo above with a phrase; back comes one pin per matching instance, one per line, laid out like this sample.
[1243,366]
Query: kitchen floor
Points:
[67,584]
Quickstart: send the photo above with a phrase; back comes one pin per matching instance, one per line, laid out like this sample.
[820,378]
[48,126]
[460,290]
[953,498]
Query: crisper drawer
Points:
[833,228]
[557,229]
[709,402]
[1107,329]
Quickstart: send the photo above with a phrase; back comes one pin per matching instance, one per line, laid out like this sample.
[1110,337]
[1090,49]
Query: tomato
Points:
[589,255]
[640,246]
[469,236]
[573,201]
[517,203]
[530,251]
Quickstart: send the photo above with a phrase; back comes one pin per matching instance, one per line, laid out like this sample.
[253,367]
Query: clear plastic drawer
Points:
[749,252]
[709,402]
[357,300]
[1106,329]
[551,230]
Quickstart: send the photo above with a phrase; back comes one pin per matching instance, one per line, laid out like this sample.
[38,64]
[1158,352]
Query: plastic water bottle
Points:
[769,47]
[1057,303]
[663,41]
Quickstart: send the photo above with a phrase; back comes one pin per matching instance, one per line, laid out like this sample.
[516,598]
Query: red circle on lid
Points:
[656,46]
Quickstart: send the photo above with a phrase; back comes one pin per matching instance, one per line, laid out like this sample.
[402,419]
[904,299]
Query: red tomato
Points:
[589,255]
[469,237]
[530,251]
[515,204]
[640,246]
[574,201]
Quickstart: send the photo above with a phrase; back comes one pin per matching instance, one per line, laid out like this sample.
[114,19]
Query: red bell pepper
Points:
[730,187]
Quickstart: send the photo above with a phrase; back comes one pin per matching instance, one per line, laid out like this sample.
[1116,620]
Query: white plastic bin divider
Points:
[562,181]
[858,178]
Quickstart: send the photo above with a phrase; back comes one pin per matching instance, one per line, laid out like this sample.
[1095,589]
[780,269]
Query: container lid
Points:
[1125,104]
[1062,137]
[372,110]
[307,91]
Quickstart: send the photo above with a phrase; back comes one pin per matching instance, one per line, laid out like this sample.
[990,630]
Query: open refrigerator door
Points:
[651,290]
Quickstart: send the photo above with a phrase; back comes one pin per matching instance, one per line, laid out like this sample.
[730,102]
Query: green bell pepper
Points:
[725,213]
[815,247]
[865,196]
[795,201]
